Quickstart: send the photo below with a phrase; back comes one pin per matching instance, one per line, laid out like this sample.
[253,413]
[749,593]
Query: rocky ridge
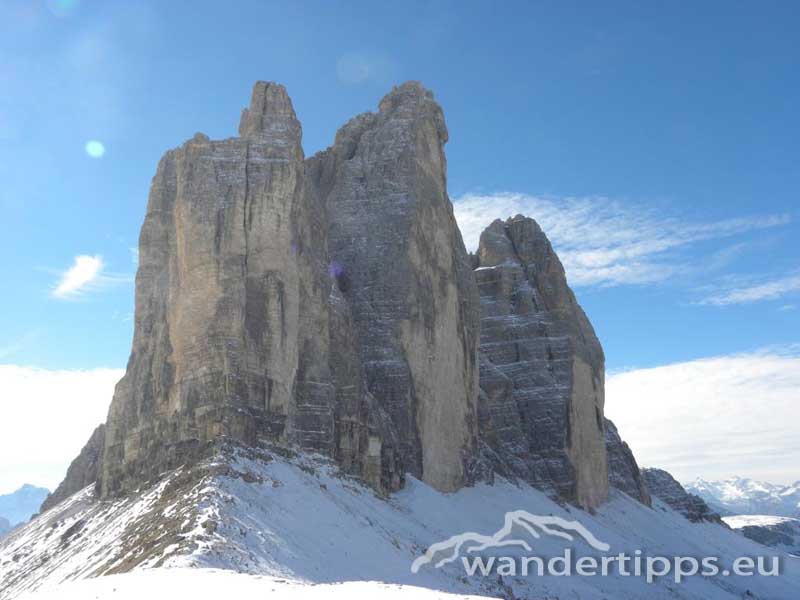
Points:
[665,487]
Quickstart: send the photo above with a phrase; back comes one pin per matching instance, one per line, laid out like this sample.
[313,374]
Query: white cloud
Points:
[715,417]
[84,270]
[755,292]
[601,241]
[85,275]
[47,417]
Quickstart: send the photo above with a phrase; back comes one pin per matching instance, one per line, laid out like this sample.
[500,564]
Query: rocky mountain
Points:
[666,488]
[19,506]
[329,304]
[777,532]
[314,351]
[743,496]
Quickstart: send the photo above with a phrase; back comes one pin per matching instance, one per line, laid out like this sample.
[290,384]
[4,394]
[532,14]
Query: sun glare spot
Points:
[95,149]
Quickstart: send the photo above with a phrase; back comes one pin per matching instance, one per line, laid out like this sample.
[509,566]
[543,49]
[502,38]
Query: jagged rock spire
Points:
[270,110]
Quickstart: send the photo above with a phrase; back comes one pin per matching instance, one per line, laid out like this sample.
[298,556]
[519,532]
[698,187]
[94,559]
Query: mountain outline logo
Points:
[471,542]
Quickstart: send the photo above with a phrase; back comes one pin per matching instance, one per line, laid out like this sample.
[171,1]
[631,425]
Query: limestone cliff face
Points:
[542,367]
[402,269]
[231,331]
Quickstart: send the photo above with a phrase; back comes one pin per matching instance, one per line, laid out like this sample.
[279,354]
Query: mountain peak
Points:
[270,108]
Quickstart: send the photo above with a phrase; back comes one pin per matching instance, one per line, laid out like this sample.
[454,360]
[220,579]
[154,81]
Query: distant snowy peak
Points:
[744,496]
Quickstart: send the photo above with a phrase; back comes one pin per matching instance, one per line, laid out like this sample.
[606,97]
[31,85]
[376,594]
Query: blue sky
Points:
[658,146]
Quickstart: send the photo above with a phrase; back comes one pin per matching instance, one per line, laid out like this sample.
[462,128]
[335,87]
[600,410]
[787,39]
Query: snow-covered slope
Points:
[742,496]
[213,584]
[296,518]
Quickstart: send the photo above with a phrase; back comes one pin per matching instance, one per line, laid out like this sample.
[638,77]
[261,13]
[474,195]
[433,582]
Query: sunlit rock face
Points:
[231,326]
[541,367]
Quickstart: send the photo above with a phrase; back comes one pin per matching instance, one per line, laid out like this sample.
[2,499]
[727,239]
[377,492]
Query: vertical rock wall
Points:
[231,332]
[542,367]
[400,264]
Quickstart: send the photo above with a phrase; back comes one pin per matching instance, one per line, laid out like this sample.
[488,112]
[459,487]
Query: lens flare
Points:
[95,149]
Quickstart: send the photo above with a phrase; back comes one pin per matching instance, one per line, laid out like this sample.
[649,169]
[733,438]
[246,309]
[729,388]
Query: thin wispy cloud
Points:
[602,241]
[87,274]
[715,417]
[772,289]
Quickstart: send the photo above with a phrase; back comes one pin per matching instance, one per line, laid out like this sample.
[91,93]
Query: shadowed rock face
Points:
[402,269]
[623,471]
[542,367]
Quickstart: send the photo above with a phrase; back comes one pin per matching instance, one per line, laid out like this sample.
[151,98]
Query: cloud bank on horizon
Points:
[714,417]
[46,419]
[711,418]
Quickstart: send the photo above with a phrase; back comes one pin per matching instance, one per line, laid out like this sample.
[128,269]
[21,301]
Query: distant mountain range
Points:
[5,526]
[743,496]
[18,507]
